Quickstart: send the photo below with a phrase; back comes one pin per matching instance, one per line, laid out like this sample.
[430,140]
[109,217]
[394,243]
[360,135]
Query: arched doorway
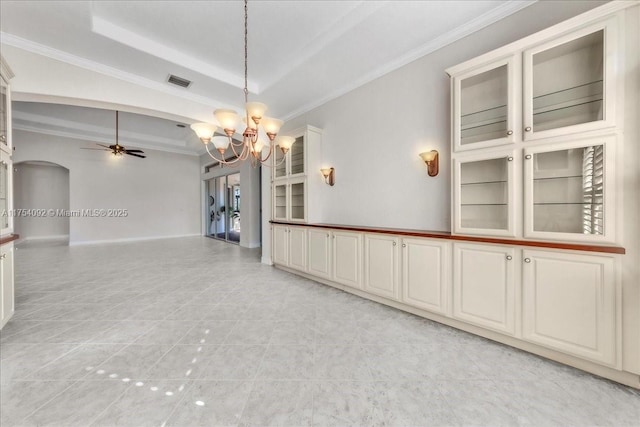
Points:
[41,199]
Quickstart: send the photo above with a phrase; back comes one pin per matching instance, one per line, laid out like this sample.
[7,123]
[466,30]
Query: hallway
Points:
[196,332]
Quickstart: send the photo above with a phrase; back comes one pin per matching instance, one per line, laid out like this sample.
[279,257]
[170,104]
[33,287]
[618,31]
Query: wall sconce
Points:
[431,159]
[329,175]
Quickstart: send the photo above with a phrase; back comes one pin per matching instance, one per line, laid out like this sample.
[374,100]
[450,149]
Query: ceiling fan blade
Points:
[134,151]
[100,149]
[105,146]
[136,155]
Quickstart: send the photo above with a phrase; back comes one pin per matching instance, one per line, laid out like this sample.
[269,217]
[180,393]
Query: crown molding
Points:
[482,21]
[67,58]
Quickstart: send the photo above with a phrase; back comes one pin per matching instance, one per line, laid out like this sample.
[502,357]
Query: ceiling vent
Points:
[178,81]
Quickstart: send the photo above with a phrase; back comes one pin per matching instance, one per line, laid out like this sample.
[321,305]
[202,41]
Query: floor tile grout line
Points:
[126,389]
[51,399]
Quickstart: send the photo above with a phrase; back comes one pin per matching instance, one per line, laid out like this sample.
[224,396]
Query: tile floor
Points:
[195,332]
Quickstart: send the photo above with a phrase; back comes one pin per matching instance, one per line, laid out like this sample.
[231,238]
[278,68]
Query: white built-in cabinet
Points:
[6,197]
[6,283]
[570,303]
[484,286]
[382,265]
[296,174]
[535,133]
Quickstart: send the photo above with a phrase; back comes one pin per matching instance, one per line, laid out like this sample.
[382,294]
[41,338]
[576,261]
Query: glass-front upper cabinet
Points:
[293,163]
[484,195]
[569,83]
[568,191]
[298,212]
[4,121]
[484,105]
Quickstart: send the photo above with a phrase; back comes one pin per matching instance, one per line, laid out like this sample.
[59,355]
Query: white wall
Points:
[160,193]
[41,186]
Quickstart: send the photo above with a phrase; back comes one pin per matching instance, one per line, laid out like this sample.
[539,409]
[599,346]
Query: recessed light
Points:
[180,125]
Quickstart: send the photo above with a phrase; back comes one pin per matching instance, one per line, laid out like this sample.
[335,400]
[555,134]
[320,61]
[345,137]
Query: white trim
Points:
[44,238]
[58,55]
[506,9]
[129,240]
[266,260]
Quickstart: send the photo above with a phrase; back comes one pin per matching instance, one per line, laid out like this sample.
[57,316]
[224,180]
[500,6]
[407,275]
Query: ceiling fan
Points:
[117,149]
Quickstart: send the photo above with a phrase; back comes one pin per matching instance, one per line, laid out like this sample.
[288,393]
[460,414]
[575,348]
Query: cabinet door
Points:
[296,157]
[280,245]
[569,191]
[381,265]
[484,286]
[569,83]
[569,303]
[425,274]
[319,253]
[484,105]
[280,201]
[6,282]
[298,210]
[6,189]
[347,258]
[484,195]
[4,116]
[298,248]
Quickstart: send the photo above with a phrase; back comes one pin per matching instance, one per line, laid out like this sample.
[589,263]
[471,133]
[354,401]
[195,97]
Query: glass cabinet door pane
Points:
[280,168]
[4,195]
[483,106]
[280,202]
[484,196]
[568,191]
[297,156]
[297,201]
[568,83]
[3,113]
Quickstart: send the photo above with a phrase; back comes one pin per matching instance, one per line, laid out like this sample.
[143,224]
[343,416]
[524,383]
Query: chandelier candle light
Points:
[252,143]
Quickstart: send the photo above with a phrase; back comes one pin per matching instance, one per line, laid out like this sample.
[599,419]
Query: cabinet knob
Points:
[528,157]
[509,132]
[509,159]
[394,243]
[509,257]
[527,129]
[327,234]
[3,256]
[404,245]
[527,260]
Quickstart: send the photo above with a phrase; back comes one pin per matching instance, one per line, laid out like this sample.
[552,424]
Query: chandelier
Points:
[257,124]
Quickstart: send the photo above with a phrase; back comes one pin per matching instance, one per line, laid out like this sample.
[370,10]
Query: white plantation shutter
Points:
[593,190]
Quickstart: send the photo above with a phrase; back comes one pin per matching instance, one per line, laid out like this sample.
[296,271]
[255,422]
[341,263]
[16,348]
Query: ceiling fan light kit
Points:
[117,149]
[257,126]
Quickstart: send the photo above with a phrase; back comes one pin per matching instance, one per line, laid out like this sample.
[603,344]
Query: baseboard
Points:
[253,245]
[44,238]
[129,240]
[266,260]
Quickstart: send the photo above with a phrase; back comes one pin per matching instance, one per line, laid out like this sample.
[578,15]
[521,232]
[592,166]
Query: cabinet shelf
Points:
[566,203]
[484,182]
[483,204]
[558,177]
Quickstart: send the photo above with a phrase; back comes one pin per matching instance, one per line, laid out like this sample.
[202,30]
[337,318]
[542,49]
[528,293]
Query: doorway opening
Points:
[224,220]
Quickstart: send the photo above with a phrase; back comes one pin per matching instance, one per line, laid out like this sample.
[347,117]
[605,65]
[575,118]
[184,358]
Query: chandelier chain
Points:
[246,51]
